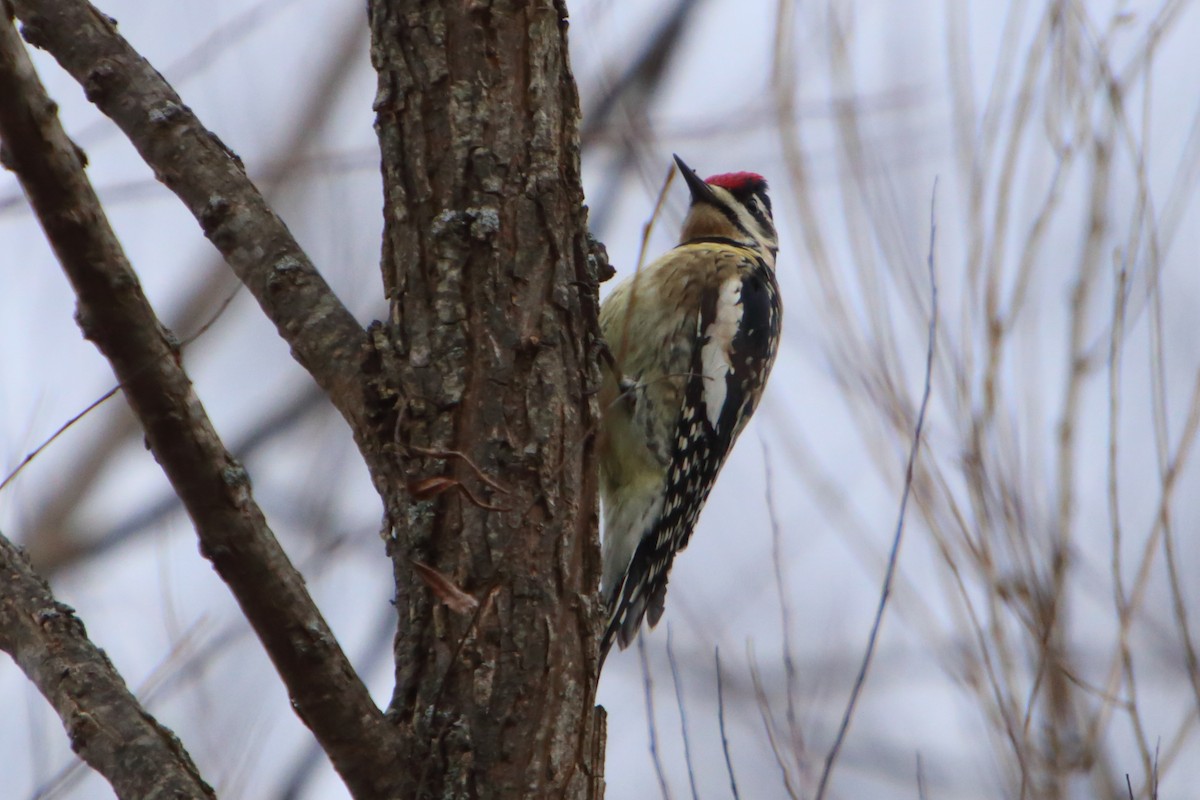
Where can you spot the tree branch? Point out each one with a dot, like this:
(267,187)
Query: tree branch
(211,181)
(893,556)
(215,489)
(107,726)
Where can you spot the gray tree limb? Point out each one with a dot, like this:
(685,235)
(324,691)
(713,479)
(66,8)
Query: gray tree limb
(215,489)
(210,180)
(107,726)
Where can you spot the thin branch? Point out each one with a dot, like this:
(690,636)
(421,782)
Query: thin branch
(51,537)
(211,181)
(687,744)
(721,723)
(785,609)
(277,422)
(897,538)
(214,487)
(764,712)
(621,105)
(107,726)
(648,688)
(647,229)
(1178,603)
(37,451)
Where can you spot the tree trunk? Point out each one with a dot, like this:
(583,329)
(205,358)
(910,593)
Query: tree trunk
(486,397)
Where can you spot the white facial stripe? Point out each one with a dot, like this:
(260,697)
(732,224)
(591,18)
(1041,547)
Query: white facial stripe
(763,214)
(765,239)
(714,355)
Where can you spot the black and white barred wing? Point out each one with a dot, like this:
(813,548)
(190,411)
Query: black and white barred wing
(738,333)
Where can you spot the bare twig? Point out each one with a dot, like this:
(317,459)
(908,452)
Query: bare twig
(647,229)
(210,180)
(785,610)
(108,728)
(215,489)
(37,451)
(99,401)
(51,536)
(1154,774)
(721,723)
(1191,662)
(648,689)
(764,710)
(437,484)
(1123,608)
(687,742)
(885,592)
(445,589)
(273,425)
(446,454)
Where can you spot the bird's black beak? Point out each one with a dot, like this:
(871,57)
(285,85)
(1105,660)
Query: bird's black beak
(701,191)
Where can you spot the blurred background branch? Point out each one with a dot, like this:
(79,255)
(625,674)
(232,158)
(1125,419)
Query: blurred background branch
(1043,637)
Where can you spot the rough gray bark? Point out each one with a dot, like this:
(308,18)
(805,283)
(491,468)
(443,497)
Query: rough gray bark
(214,488)
(473,405)
(107,726)
(485,262)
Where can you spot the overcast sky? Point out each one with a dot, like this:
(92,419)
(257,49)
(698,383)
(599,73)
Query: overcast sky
(852,110)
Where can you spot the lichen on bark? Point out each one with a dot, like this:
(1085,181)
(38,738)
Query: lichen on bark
(492,295)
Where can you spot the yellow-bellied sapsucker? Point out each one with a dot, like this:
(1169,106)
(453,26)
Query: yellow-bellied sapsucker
(693,337)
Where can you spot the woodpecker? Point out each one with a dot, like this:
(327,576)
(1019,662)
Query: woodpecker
(693,336)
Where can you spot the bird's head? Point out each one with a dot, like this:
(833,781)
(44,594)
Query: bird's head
(733,206)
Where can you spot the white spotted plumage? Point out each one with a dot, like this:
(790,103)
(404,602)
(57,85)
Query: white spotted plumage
(695,334)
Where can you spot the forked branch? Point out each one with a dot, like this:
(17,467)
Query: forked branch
(214,488)
(212,183)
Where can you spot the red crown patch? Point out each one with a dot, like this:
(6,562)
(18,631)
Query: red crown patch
(739,181)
